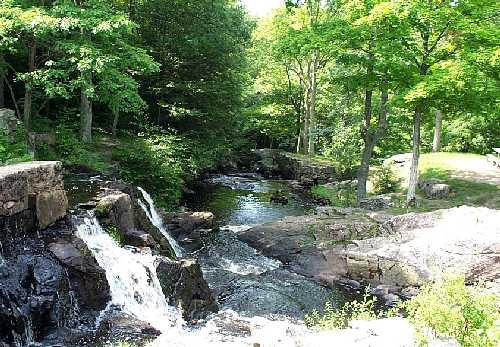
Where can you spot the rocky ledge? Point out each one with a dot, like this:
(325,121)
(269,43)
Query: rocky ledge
(392,253)
(31,195)
(289,166)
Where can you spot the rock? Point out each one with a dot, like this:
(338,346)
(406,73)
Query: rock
(119,326)
(289,166)
(50,207)
(405,251)
(34,298)
(183,284)
(36,186)
(423,247)
(376,203)
(117,207)
(303,242)
(88,277)
(374,333)
(8,122)
(189,227)
(435,189)
(279,197)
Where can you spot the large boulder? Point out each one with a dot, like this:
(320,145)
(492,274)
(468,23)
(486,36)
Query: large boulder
(183,284)
(435,189)
(423,247)
(36,186)
(293,167)
(189,227)
(404,251)
(300,241)
(88,278)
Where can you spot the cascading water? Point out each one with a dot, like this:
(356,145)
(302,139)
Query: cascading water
(157,221)
(136,290)
(131,274)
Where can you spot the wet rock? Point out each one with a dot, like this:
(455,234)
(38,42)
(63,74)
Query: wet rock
(183,284)
(34,298)
(36,186)
(88,277)
(189,228)
(119,326)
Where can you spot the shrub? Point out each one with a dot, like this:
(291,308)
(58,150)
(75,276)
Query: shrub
(384,180)
(452,309)
(339,318)
(14,150)
(342,196)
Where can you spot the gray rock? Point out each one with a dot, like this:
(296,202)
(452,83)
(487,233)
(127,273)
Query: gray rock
(8,122)
(434,189)
(405,251)
(36,186)
(183,284)
(89,278)
(376,203)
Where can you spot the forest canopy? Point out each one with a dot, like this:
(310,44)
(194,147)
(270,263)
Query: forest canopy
(186,85)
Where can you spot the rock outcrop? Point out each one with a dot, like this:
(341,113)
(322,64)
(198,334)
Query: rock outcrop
(183,284)
(189,227)
(33,194)
(403,251)
(272,163)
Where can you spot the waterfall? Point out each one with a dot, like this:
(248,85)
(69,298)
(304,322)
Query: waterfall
(157,221)
(132,278)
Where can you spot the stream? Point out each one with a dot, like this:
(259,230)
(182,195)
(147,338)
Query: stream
(260,300)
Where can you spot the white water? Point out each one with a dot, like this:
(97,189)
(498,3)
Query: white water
(157,221)
(134,286)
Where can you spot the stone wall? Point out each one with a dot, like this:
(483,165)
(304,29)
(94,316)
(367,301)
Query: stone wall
(34,190)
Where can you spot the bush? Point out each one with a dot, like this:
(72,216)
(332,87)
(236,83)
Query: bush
(451,309)
(384,180)
(344,196)
(339,318)
(14,150)
(156,162)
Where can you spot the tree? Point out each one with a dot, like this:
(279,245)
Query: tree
(93,54)
(431,33)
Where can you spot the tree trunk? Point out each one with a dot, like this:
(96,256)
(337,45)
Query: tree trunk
(312,107)
(86,112)
(413,181)
(368,148)
(436,144)
(2,83)
(116,115)
(305,129)
(2,88)
(371,139)
(28,94)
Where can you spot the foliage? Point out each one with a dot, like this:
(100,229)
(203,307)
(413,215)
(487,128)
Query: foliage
(115,234)
(339,318)
(452,309)
(343,196)
(14,150)
(384,180)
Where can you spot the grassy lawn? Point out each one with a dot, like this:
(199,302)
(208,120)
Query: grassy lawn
(465,173)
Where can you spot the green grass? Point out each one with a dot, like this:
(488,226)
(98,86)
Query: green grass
(446,167)
(344,197)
